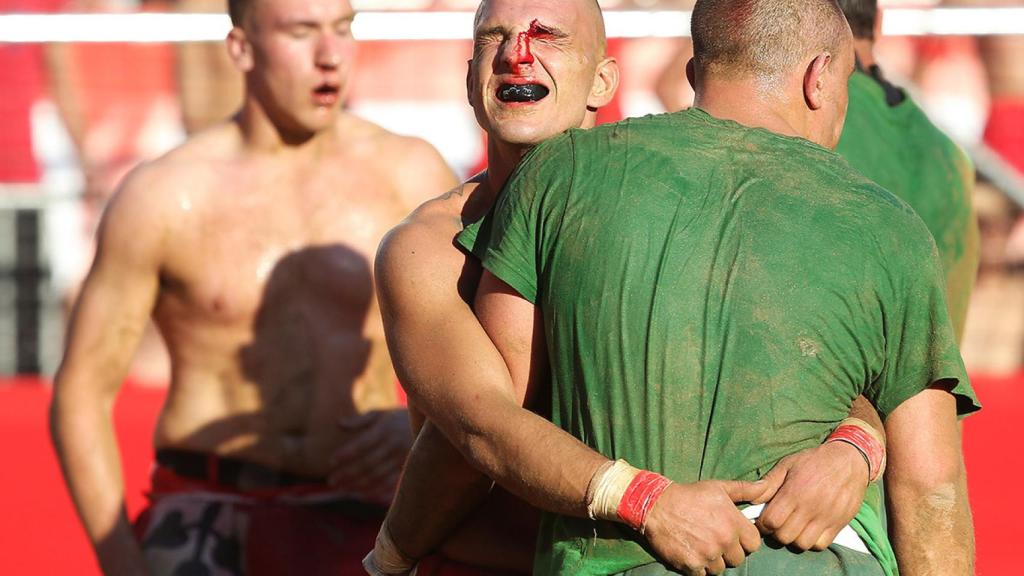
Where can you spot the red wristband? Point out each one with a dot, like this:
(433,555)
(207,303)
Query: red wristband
(870,447)
(639,498)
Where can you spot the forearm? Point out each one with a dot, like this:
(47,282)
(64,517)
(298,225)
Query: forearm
(83,436)
(499,535)
(926,490)
(526,454)
(931,528)
(438,491)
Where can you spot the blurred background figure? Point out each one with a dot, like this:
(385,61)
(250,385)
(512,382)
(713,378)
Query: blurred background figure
(120,107)
(209,86)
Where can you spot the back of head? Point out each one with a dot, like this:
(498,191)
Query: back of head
(861,14)
(763,39)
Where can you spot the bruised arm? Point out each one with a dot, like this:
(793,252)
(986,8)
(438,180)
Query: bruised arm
(926,490)
(106,325)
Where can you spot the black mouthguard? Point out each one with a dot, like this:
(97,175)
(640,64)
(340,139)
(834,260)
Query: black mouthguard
(522,92)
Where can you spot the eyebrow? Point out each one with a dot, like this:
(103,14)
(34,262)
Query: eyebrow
(305,21)
(550,29)
(502,30)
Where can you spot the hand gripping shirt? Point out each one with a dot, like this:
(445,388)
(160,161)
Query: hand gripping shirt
(714,297)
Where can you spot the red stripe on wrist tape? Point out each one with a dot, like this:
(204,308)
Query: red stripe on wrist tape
(870,447)
(639,498)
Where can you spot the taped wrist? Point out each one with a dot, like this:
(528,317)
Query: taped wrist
(868,441)
(622,493)
(386,559)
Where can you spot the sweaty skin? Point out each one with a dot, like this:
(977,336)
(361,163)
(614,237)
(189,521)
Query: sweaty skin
(250,246)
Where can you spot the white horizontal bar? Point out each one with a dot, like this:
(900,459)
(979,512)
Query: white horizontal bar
(155,27)
(954,22)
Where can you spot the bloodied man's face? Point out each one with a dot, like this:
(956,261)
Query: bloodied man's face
(538,66)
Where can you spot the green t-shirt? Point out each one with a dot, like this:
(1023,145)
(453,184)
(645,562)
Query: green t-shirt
(714,297)
(899,148)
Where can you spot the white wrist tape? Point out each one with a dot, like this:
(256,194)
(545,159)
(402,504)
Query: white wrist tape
(607,488)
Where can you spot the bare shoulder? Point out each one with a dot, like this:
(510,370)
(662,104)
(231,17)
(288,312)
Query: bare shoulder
(419,257)
(153,195)
(412,164)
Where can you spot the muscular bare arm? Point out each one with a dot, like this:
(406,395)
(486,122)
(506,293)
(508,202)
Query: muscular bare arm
(477,402)
(437,344)
(106,325)
(926,489)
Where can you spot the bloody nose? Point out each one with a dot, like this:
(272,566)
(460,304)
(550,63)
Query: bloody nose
(521,55)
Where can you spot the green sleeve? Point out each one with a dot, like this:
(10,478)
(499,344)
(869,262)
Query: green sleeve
(920,346)
(473,238)
(510,241)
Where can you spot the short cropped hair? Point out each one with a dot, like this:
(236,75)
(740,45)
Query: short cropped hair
(237,10)
(861,15)
(763,38)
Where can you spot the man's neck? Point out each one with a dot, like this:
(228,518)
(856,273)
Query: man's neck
(502,159)
(261,134)
(748,102)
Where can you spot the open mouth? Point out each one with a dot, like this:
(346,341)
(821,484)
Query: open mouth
(326,93)
(519,93)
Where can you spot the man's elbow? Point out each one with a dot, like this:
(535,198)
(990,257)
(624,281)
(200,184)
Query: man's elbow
(937,485)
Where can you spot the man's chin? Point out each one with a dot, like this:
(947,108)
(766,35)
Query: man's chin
(518,134)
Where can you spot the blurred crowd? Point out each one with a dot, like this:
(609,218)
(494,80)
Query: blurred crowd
(76,117)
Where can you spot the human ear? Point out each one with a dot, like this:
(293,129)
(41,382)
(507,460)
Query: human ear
(239,49)
(606,82)
(691,74)
(469,82)
(814,81)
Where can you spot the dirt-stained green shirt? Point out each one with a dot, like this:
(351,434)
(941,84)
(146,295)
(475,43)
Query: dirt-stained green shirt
(714,297)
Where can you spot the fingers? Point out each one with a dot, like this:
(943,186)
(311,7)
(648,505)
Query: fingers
(808,537)
(716,566)
(772,482)
(750,538)
(777,513)
(740,491)
(825,540)
(788,531)
(735,555)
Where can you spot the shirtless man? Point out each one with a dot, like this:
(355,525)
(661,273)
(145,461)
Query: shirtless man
(538,68)
(250,246)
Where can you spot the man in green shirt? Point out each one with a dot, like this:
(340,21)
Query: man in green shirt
(889,139)
(813,286)
(538,68)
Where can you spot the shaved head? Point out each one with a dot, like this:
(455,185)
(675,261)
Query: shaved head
(764,38)
(592,10)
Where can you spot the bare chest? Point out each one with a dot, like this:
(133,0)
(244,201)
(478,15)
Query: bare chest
(301,246)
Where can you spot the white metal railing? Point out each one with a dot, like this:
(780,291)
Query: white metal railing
(370,25)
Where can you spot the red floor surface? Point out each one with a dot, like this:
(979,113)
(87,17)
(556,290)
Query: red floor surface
(39,534)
